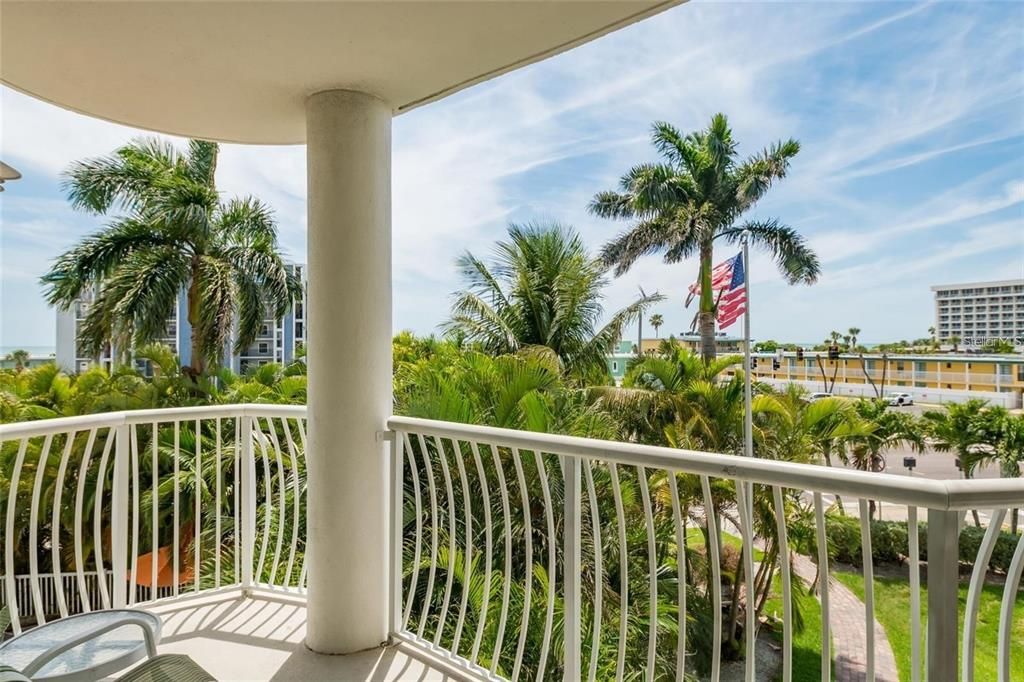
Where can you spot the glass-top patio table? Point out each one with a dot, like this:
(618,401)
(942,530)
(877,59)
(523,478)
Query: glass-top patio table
(85,647)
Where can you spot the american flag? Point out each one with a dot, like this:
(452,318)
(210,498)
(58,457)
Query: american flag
(727,285)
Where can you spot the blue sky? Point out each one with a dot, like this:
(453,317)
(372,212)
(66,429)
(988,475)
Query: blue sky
(911,119)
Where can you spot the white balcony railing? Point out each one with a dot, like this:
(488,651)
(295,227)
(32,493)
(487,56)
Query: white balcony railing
(515,554)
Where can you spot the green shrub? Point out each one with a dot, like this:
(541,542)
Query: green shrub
(890,543)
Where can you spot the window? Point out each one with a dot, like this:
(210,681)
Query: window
(264,330)
(299,333)
(264,347)
(615,366)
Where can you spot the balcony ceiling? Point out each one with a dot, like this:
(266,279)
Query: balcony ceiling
(240,71)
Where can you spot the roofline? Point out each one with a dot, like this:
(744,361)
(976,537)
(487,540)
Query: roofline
(1002,282)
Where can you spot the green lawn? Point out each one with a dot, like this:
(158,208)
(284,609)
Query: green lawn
(892,609)
(806,639)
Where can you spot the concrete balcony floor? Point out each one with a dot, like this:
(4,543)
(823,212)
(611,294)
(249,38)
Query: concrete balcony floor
(261,637)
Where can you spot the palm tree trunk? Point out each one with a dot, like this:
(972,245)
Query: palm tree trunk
(707,306)
(198,362)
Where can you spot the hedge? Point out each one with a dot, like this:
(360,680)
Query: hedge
(889,543)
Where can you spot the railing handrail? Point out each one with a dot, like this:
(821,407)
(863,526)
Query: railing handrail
(947,495)
(83,422)
(934,494)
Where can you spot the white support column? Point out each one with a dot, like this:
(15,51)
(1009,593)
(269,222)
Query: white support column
(348,163)
(119,517)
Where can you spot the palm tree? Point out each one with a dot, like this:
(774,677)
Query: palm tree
(175,234)
(541,290)
(20,359)
(931,333)
(958,428)
(698,194)
(656,322)
(854,332)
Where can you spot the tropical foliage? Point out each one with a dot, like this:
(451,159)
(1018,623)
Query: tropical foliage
(542,289)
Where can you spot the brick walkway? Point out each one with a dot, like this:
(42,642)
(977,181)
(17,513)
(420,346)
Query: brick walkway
(849,639)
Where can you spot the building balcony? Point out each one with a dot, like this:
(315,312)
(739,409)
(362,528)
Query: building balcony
(199,515)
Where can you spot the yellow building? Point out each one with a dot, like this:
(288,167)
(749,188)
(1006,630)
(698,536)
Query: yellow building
(929,378)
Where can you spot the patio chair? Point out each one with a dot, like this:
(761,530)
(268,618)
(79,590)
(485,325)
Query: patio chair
(163,668)
(168,668)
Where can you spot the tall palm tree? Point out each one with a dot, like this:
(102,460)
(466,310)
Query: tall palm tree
(174,233)
(656,322)
(854,332)
(541,289)
(698,193)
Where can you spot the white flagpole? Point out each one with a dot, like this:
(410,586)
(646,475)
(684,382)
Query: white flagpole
(748,418)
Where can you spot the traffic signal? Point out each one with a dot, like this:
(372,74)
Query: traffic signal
(800,354)
(776,364)
(833,352)
(753,363)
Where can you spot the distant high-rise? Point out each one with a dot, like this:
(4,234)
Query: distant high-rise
(277,340)
(979,312)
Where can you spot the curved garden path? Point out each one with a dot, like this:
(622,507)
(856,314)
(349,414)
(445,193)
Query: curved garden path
(849,639)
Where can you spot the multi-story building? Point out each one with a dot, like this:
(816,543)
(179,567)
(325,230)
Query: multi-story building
(277,340)
(978,312)
(929,378)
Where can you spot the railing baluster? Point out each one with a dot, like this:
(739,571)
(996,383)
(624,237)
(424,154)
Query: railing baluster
(268,501)
(218,538)
(282,494)
(247,501)
(823,575)
(133,595)
(450,512)
(419,528)
(467,574)
(745,499)
(155,514)
(428,596)
(524,497)
(297,498)
(620,661)
(197,486)
(58,488)
(714,539)
(12,499)
(1010,587)
(507,581)
(33,528)
(652,574)
(83,592)
(119,518)
(572,564)
(787,583)
(595,529)
(176,511)
(970,620)
(915,594)
(677,516)
(488,551)
(97,517)
(869,589)
(552,578)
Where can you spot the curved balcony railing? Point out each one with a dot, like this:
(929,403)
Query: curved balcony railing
(514,555)
(115,509)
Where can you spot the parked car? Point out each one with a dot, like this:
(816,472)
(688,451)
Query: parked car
(814,397)
(899,399)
